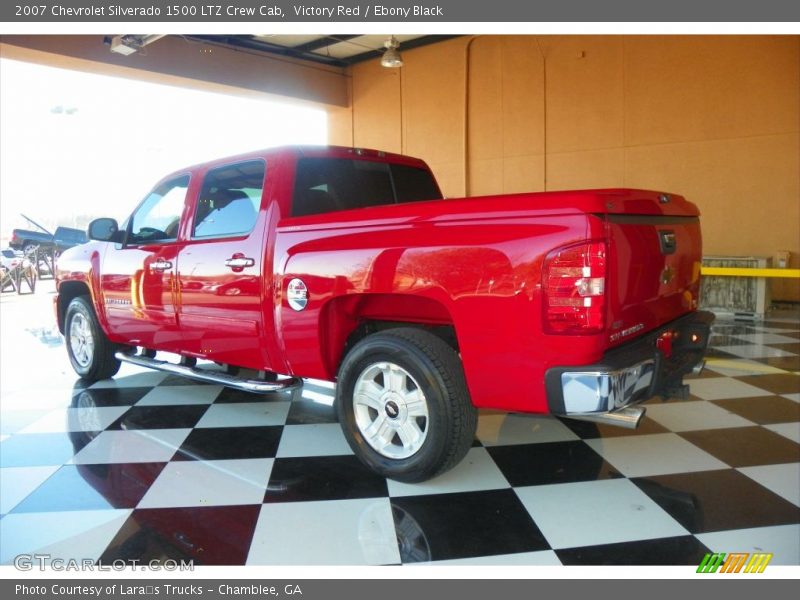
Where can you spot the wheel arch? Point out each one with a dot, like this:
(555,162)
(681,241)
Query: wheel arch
(344,321)
(67,292)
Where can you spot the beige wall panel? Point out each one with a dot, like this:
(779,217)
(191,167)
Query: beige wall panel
(681,88)
(584,93)
(523,174)
(748,190)
(434,90)
(485,176)
(376,107)
(450,177)
(582,170)
(340,126)
(523,97)
(485,108)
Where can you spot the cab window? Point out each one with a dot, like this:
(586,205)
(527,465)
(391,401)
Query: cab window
(228,203)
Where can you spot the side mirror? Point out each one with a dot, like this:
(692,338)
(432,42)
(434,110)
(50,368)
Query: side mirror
(104,230)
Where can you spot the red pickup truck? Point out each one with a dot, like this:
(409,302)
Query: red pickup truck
(348,265)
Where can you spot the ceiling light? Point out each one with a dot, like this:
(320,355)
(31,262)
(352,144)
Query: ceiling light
(130,44)
(391,57)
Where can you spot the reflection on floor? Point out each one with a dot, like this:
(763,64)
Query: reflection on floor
(149,466)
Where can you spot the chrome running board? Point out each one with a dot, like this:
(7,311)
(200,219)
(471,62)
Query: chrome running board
(248,385)
(627,417)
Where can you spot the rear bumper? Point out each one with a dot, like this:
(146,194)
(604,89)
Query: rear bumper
(631,373)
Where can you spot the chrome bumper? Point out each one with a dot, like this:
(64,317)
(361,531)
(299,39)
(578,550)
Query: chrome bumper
(605,391)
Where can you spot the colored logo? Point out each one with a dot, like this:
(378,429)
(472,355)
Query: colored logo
(734,562)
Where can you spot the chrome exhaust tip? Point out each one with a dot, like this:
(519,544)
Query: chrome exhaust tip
(628,417)
(698,368)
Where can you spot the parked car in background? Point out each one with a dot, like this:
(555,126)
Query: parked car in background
(63,238)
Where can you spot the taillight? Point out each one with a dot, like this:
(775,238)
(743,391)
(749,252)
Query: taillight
(574,284)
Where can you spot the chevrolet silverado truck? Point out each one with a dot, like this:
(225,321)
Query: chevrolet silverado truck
(348,265)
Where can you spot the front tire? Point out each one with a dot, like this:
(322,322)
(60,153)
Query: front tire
(403,404)
(90,351)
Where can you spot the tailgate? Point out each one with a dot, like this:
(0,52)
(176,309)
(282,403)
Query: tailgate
(655,253)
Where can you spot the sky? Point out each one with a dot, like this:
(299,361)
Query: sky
(75,146)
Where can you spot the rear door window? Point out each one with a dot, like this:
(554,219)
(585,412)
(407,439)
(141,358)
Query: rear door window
(229,200)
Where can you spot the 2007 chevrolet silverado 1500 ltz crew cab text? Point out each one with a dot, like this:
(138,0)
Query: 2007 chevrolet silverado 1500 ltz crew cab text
(348,265)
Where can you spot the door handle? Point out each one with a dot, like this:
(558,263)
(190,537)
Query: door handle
(239,262)
(161,265)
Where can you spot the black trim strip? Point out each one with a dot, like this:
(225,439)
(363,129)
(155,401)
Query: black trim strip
(651,219)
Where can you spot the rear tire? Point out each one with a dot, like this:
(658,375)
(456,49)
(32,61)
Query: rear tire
(403,404)
(90,351)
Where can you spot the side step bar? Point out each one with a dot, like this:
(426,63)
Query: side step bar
(627,417)
(248,385)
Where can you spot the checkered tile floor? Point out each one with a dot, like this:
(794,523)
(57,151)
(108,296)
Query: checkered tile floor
(149,466)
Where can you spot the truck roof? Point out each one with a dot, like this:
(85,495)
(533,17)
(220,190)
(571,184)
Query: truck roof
(299,151)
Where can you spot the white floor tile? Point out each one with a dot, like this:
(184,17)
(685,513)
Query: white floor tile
(692,416)
(181,394)
(209,483)
(755,351)
(17,482)
(793,397)
(719,388)
(783,541)
(144,378)
(543,558)
(505,429)
(788,430)
(656,454)
(140,445)
(475,473)
(765,338)
(14,421)
(324,439)
(338,532)
(245,414)
(96,418)
(783,479)
(74,535)
(739,367)
(596,512)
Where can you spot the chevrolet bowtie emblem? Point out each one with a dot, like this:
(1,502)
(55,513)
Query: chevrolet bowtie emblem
(667,275)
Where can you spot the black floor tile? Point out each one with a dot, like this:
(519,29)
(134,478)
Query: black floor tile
(462,525)
(787,363)
(793,347)
(218,443)
(716,353)
(171,380)
(92,487)
(684,550)
(745,446)
(206,535)
(718,501)
(39,449)
(775,383)
(322,478)
(307,412)
(160,417)
(232,396)
(547,463)
(763,410)
(122,396)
